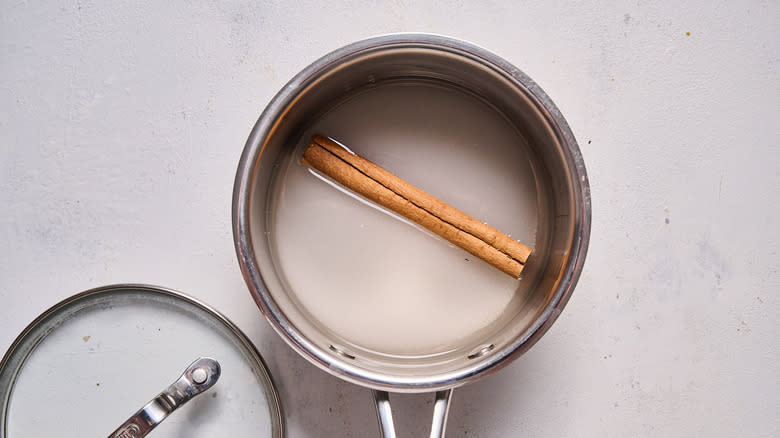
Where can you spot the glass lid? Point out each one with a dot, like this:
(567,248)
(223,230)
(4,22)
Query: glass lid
(90,362)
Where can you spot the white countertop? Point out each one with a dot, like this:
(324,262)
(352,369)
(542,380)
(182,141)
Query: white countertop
(121,129)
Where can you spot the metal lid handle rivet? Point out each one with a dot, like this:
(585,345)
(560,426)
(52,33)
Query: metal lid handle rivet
(198,377)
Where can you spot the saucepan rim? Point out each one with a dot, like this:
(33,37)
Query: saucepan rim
(333,363)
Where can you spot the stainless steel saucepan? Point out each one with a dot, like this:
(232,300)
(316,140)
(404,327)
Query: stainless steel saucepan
(562,188)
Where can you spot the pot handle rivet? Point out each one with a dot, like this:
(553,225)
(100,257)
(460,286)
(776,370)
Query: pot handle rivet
(481,351)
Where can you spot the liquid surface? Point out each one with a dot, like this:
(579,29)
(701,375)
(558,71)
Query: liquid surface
(378,281)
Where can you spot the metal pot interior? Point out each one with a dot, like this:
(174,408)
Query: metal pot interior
(561,185)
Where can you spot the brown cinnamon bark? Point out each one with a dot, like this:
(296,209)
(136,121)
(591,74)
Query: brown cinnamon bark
(380,186)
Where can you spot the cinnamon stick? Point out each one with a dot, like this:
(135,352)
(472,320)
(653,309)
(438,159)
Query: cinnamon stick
(382,187)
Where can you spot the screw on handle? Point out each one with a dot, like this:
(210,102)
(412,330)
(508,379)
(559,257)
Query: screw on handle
(198,377)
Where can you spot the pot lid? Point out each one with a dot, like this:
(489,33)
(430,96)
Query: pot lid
(90,362)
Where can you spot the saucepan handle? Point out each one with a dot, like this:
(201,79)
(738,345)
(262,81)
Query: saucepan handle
(441,407)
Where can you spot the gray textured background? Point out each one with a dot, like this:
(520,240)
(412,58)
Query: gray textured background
(121,128)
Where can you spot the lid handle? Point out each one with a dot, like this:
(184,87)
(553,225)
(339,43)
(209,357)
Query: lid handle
(198,377)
